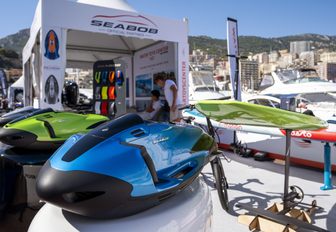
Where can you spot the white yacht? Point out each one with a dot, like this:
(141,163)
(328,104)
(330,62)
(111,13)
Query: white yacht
(293,82)
(202,86)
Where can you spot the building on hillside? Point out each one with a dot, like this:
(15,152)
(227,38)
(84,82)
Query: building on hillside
(298,64)
(273,57)
(267,68)
(297,47)
(198,56)
(283,52)
(261,58)
(311,58)
(249,73)
(285,60)
(209,63)
(328,57)
(327,71)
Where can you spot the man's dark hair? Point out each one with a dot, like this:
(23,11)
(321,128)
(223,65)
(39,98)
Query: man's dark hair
(159,77)
(156,93)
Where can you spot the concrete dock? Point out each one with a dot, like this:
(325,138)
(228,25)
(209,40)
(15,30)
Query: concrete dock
(259,184)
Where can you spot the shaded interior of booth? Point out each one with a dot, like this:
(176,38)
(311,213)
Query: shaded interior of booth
(84,48)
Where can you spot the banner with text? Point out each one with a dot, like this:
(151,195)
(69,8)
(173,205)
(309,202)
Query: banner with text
(233,53)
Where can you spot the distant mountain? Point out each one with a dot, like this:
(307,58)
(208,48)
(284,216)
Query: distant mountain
(16,41)
(215,47)
(11,49)
(256,44)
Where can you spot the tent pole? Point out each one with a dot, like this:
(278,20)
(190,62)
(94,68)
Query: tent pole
(237,82)
(236,78)
(131,83)
(287,166)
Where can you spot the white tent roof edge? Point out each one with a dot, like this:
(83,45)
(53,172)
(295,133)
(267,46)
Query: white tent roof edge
(116,4)
(34,30)
(181,26)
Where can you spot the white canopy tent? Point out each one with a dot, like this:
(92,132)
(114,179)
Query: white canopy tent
(76,34)
(17,85)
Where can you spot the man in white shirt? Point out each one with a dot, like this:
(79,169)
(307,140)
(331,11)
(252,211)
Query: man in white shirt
(154,106)
(171,94)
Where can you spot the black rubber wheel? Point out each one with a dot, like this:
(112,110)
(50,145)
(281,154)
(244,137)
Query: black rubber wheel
(221,183)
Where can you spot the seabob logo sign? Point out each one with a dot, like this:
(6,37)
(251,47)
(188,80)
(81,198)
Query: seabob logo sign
(125,23)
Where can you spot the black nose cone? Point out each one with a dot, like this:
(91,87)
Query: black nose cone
(4,121)
(16,138)
(88,194)
(54,185)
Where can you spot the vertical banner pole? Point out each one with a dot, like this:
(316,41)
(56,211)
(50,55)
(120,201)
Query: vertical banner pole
(287,165)
(233,57)
(237,95)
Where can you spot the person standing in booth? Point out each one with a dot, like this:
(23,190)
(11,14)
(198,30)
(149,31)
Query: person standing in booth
(171,93)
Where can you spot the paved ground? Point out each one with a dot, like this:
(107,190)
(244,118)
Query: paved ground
(260,183)
(257,183)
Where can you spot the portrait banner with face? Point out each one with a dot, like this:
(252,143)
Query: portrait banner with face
(53,45)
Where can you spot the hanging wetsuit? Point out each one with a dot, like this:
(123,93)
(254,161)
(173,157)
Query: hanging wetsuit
(120,78)
(111,93)
(111,77)
(97,77)
(104,94)
(104,108)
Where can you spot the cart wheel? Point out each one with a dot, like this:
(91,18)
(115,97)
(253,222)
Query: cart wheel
(221,183)
(298,191)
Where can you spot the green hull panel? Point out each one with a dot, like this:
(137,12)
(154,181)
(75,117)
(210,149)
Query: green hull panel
(64,124)
(241,113)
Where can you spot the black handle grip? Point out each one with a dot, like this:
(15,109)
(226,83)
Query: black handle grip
(187,107)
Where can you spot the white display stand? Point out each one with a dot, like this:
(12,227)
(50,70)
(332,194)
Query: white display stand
(189,210)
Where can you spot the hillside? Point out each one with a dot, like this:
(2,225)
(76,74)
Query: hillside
(16,41)
(256,44)
(215,47)
(9,59)
(11,48)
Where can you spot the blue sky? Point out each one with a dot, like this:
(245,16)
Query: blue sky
(266,18)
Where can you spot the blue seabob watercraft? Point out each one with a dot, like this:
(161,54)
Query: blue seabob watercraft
(123,167)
